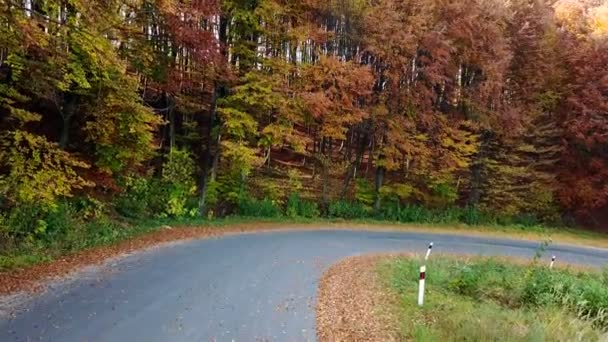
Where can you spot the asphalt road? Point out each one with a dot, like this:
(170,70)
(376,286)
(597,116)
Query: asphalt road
(254,287)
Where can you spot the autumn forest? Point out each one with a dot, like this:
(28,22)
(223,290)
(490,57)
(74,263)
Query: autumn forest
(477,111)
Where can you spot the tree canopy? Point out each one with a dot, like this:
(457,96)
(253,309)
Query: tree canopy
(491,104)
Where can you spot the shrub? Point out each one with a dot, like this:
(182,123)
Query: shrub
(347,210)
(90,208)
(415,214)
(168,196)
(297,207)
(251,207)
(390,211)
(178,180)
(100,232)
(449,215)
(471,215)
(134,202)
(60,222)
(364,192)
(24,224)
(526,220)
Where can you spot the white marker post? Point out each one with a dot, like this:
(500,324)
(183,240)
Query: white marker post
(421,286)
(428,251)
(552,261)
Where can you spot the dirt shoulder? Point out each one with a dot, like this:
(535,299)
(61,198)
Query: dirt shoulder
(352,304)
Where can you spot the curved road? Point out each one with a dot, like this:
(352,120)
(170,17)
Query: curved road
(253,287)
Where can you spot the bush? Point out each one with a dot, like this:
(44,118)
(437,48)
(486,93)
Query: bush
(65,227)
(526,220)
(390,211)
(449,215)
(178,180)
(297,207)
(100,232)
(23,224)
(471,216)
(60,222)
(415,214)
(168,196)
(135,201)
(348,210)
(251,207)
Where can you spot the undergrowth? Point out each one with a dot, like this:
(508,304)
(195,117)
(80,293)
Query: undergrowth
(491,300)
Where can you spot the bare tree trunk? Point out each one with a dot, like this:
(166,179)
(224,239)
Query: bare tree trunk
(67,112)
(379,180)
(212,159)
(352,170)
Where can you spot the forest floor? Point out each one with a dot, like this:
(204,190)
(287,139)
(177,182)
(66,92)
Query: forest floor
(373,298)
(16,277)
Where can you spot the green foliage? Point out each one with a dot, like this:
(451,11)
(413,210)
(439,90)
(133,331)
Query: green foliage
(91,208)
(135,201)
(492,289)
(178,179)
(397,192)
(251,207)
(169,196)
(295,180)
(213,192)
(66,227)
(348,210)
(23,224)
(121,128)
(270,189)
(298,207)
(444,192)
(364,192)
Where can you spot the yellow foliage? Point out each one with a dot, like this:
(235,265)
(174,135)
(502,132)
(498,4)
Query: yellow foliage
(39,171)
(599,21)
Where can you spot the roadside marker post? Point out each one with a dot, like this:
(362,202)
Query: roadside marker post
(428,251)
(552,261)
(421,286)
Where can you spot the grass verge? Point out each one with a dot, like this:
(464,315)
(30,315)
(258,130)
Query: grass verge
(480,299)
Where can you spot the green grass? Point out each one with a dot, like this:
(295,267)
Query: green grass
(493,300)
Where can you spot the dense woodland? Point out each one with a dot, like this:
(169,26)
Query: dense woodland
(348,108)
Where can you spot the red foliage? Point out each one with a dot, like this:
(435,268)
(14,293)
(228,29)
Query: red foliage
(584,172)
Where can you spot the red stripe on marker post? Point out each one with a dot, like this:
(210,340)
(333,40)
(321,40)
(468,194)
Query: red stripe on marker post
(421,286)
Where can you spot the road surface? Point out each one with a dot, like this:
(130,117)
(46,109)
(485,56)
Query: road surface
(252,287)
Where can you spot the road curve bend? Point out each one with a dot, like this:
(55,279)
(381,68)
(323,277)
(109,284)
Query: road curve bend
(250,287)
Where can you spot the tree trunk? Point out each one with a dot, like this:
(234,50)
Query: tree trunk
(208,155)
(352,170)
(171,126)
(379,180)
(67,113)
(210,159)
(477,170)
